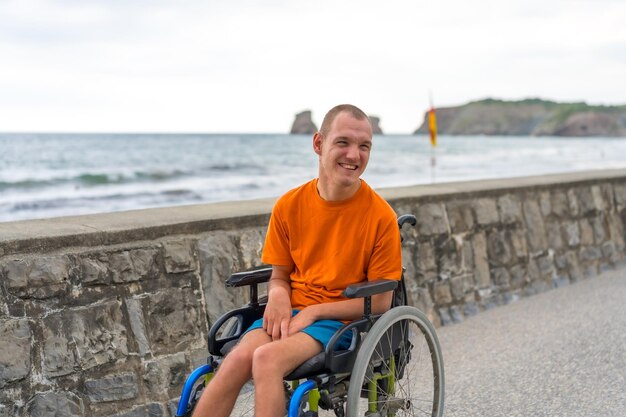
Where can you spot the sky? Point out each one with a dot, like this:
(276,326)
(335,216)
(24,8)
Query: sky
(239,66)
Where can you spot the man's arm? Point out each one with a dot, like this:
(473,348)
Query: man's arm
(278,310)
(340,310)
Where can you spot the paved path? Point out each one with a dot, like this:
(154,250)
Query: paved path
(560,353)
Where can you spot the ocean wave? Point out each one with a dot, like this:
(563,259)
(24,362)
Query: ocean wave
(93,179)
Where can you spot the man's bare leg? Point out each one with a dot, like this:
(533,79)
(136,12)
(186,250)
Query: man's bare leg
(218,398)
(271,363)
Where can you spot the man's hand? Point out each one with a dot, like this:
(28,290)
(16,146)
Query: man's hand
(278,310)
(302,320)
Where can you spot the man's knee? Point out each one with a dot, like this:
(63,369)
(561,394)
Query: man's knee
(238,361)
(264,360)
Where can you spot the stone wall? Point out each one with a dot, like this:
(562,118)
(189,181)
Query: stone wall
(105,315)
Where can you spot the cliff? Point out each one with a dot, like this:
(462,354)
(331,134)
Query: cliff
(533,117)
(375,121)
(303,124)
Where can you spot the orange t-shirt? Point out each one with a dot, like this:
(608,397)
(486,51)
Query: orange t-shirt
(332,244)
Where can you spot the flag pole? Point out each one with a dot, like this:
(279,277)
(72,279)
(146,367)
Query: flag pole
(432,129)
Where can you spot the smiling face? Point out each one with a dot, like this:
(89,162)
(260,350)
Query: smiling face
(343,155)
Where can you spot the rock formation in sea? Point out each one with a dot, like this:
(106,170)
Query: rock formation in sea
(303,124)
(375,121)
(534,117)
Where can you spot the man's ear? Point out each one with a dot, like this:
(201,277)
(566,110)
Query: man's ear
(317,142)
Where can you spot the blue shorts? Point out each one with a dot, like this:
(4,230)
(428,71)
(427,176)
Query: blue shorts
(321,331)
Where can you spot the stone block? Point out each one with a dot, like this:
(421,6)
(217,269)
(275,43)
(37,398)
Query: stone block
(545,203)
(55,404)
(533,270)
(586,201)
(611,254)
(560,281)
(83,338)
(15,350)
(174,321)
(616,231)
(134,307)
(590,271)
(218,258)
(451,256)
(148,410)
(598,198)
(468,257)
(444,316)
(144,262)
(573,202)
(599,229)
(121,267)
(251,248)
(165,373)
(488,301)
(534,226)
(442,293)
(620,195)
(481,270)
(486,211)
(460,216)
(470,309)
(112,388)
(572,233)
(456,314)
(178,256)
(420,298)
(38,278)
(458,287)
(553,233)
(546,266)
(423,279)
(518,241)
(510,209)
(510,297)
(590,254)
(501,277)
(519,276)
(573,267)
(431,220)
(426,257)
(586,232)
(536,287)
(94,272)
(608,195)
(559,203)
(498,248)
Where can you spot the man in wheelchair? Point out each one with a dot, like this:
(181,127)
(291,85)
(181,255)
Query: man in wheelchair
(323,236)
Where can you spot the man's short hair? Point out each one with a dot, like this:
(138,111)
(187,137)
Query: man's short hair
(354,111)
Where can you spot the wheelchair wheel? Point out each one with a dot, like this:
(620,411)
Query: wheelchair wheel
(399,368)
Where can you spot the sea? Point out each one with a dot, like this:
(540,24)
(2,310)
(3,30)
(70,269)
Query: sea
(51,175)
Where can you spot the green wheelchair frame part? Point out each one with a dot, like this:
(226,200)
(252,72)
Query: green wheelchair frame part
(372,386)
(314,396)
(208,377)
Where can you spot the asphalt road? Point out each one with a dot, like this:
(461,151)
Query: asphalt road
(560,353)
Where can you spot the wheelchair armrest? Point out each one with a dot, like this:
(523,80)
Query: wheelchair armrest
(369,288)
(249,277)
(245,317)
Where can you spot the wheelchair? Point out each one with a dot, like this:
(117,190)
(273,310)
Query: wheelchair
(393,367)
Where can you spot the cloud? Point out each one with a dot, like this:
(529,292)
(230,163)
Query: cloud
(249,66)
